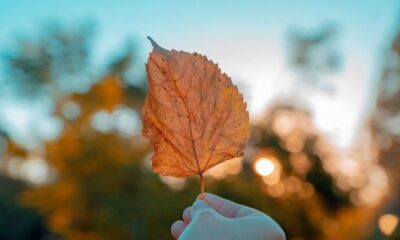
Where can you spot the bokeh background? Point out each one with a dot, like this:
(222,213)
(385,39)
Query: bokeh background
(322,82)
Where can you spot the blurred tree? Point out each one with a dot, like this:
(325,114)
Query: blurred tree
(303,186)
(97,169)
(386,128)
(313,55)
(57,61)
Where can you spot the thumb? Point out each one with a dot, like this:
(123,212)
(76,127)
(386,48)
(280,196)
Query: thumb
(198,207)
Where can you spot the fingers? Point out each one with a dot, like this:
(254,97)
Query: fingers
(228,208)
(224,207)
(199,206)
(186,215)
(177,228)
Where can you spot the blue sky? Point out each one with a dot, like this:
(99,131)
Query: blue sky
(246,38)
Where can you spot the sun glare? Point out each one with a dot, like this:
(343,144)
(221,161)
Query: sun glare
(265,166)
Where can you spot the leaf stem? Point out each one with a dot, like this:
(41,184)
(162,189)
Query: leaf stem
(201,186)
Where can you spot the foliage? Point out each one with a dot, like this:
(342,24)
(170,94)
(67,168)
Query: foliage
(385,122)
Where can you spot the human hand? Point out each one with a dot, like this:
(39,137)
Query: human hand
(218,218)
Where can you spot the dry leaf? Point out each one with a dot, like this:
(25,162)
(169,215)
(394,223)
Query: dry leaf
(193,115)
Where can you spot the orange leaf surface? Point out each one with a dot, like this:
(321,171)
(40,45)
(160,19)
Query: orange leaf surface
(193,115)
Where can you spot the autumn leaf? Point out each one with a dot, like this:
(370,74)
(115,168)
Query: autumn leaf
(193,115)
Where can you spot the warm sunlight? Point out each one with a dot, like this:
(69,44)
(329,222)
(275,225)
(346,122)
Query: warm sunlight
(264,166)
